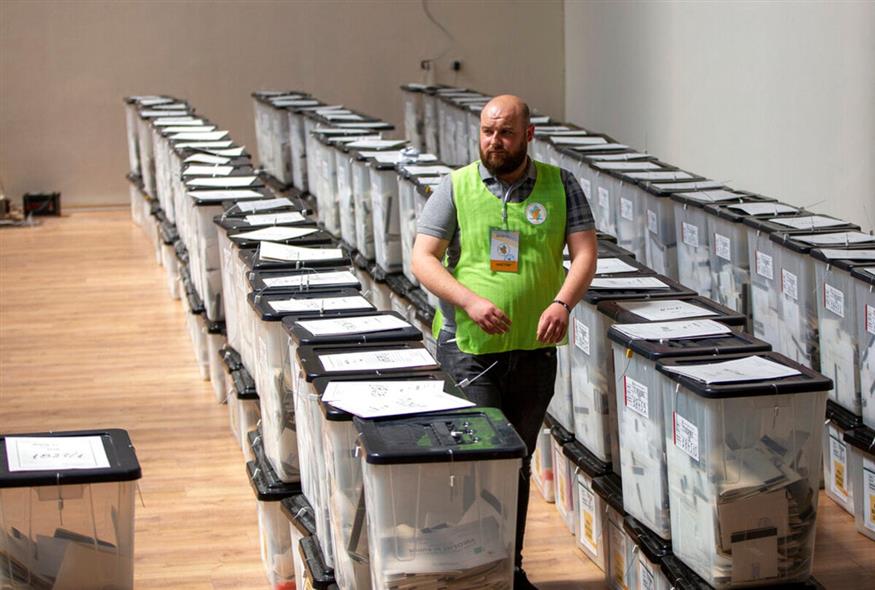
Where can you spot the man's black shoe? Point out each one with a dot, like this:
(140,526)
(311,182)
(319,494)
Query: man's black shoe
(520,581)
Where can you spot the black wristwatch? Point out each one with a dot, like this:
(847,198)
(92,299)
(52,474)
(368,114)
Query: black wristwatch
(563,304)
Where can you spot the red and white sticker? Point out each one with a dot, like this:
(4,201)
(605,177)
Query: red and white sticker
(765,266)
(685,435)
(635,396)
(834,300)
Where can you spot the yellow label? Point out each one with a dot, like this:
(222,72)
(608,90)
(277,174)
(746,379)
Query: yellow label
(840,477)
(620,569)
(588,531)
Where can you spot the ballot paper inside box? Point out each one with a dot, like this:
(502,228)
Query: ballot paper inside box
(620,552)
(864,284)
(244,410)
(838,316)
(743,455)
(797,304)
(297,149)
(861,466)
(273,526)
(560,406)
(648,554)
(639,390)
(837,480)
(345,486)
(563,483)
(67,503)
(693,243)
(438,518)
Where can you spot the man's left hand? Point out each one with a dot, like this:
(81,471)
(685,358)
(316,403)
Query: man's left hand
(553,324)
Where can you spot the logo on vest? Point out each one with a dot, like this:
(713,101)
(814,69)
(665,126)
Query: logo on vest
(536,213)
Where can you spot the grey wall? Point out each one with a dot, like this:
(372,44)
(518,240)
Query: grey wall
(65,66)
(773,97)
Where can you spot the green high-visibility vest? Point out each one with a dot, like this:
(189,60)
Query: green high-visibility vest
(522,295)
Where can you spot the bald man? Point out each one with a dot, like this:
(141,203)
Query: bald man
(490,245)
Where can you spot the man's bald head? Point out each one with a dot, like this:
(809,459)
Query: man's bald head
(507,106)
(505,133)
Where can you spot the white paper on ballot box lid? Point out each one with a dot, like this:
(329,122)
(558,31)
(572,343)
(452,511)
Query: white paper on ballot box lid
(551,130)
(763,208)
(206,145)
(675,330)
(354,325)
(373,360)
(363,125)
(265,205)
(665,309)
(225,195)
(436,170)
(231,181)
(55,453)
(374,399)
(618,157)
(560,139)
(836,239)
(628,283)
(177,121)
(607,266)
(320,304)
(600,147)
(376,144)
(697,185)
(627,165)
(838,254)
(666,175)
(198,136)
(231,151)
(809,222)
(274,218)
(336,278)
(711,196)
(276,233)
(752,368)
(207,159)
(206,170)
(287,253)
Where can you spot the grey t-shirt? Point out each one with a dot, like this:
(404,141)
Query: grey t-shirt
(438,218)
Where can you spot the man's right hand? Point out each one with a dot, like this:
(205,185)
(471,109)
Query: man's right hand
(486,315)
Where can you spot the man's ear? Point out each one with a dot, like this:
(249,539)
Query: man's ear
(530,133)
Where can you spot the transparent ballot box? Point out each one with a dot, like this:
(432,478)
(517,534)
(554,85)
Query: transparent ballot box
(691,230)
(168,234)
(588,509)
(271,358)
(67,510)
(563,477)
(317,573)
(298,124)
(619,549)
(592,367)
(542,465)
(386,216)
(244,410)
(837,320)
(414,114)
(302,523)
(861,466)
(744,453)
(864,284)
(414,189)
(272,131)
(346,501)
(797,305)
(639,391)
(651,549)
(729,262)
(441,495)
(196,324)
(836,476)
(273,526)
(681,577)
(329,361)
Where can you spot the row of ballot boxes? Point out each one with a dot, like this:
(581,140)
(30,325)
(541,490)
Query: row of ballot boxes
(303,324)
(67,510)
(804,282)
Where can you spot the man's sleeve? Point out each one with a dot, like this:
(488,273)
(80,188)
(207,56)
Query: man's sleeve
(578,216)
(438,217)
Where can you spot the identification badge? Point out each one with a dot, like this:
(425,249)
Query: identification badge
(504,250)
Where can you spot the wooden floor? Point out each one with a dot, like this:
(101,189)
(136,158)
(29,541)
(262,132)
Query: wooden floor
(89,338)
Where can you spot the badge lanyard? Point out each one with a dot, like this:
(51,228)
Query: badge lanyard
(504,243)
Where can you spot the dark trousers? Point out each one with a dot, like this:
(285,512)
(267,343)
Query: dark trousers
(520,385)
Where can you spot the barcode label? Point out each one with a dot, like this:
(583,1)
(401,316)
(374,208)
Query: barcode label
(581,335)
(789,285)
(686,436)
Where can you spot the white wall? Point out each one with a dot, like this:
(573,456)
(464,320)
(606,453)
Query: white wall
(65,66)
(772,97)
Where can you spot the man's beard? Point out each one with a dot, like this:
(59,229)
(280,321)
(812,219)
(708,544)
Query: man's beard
(503,162)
